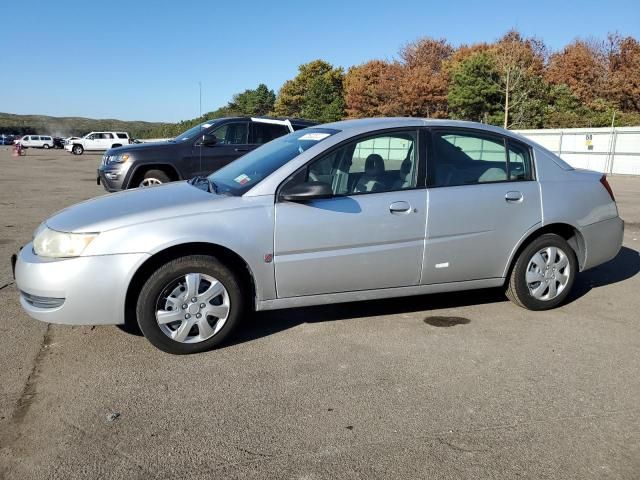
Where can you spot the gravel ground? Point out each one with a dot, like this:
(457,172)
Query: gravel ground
(463,385)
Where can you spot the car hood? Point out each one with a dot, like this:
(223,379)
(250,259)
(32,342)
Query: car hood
(137,147)
(129,207)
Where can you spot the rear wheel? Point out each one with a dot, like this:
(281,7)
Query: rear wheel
(46,146)
(77,149)
(543,274)
(154,177)
(189,305)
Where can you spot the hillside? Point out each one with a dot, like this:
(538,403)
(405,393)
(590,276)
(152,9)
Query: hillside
(66,126)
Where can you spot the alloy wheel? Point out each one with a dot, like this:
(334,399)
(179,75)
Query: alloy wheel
(150,182)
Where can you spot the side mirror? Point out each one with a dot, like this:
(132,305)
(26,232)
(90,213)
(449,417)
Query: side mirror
(304,192)
(209,140)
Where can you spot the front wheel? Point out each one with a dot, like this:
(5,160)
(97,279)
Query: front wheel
(543,274)
(189,305)
(152,178)
(77,149)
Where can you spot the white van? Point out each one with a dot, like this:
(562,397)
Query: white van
(37,141)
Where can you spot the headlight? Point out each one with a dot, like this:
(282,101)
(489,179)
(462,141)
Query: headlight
(49,243)
(123,157)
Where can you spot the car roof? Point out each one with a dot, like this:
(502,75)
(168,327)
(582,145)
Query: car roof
(362,125)
(300,121)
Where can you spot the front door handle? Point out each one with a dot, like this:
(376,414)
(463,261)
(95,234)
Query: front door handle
(513,197)
(400,207)
(241,149)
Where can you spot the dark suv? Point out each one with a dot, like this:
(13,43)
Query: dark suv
(200,150)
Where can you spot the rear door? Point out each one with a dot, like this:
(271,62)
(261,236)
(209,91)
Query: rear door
(482,199)
(370,235)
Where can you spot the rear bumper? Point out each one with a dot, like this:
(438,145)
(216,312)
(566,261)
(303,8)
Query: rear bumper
(75,291)
(603,241)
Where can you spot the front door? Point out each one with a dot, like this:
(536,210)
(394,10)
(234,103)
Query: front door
(482,199)
(233,142)
(369,235)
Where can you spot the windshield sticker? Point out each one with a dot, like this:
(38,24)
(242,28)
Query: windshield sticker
(206,125)
(317,136)
(242,179)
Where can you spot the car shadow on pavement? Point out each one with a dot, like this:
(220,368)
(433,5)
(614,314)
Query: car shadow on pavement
(624,266)
(262,324)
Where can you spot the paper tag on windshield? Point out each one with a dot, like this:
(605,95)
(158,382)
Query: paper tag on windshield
(314,136)
(242,179)
(206,125)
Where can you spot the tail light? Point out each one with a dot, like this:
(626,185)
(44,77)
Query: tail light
(607,187)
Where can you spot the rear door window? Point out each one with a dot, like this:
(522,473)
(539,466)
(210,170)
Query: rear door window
(265,132)
(461,157)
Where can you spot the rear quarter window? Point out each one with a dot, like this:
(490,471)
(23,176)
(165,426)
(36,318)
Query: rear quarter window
(122,135)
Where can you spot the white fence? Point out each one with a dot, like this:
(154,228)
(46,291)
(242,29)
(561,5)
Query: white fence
(606,150)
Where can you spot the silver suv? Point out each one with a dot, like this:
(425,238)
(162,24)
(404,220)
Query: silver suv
(354,210)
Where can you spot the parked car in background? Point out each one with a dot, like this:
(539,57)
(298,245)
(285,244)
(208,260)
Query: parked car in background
(199,151)
(37,141)
(7,139)
(97,141)
(58,142)
(347,211)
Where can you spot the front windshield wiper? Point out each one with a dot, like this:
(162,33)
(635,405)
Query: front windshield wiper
(203,183)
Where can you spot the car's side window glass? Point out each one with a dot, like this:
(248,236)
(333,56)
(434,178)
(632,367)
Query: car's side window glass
(519,162)
(467,158)
(379,163)
(232,133)
(265,132)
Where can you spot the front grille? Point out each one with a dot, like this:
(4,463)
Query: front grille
(42,302)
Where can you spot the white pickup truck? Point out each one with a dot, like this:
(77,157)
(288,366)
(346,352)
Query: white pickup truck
(97,141)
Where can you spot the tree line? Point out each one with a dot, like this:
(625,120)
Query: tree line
(515,82)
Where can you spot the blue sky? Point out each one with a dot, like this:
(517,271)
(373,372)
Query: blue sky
(142,60)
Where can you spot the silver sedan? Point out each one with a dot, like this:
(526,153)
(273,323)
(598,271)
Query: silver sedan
(353,210)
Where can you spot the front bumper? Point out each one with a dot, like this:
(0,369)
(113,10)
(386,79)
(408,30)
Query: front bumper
(75,291)
(112,178)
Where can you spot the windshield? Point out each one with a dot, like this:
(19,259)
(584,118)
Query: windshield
(194,131)
(241,175)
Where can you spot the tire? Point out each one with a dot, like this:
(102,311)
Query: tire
(174,329)
(538,281)
(77,150)
(153,177)
(46,146)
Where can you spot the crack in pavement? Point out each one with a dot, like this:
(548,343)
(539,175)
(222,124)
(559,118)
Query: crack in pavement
(438,437)
(29,391)
(6,285)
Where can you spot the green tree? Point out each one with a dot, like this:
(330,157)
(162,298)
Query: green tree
(316,93)
(253,102)
(474,93)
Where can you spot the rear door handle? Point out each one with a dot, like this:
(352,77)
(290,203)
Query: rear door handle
(400,207)
(241,149)
(513,197)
